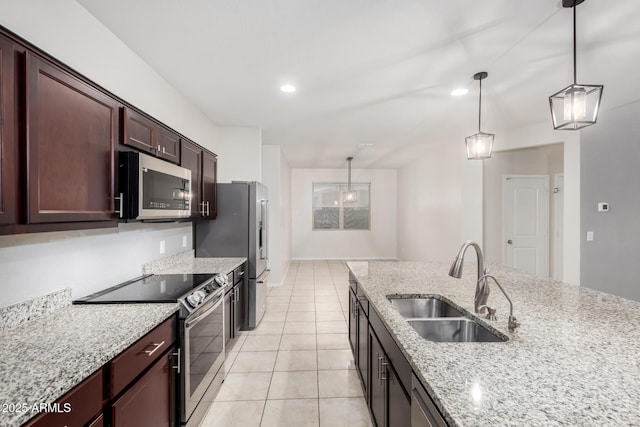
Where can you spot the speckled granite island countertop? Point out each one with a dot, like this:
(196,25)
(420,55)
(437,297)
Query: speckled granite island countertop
(575,360)
(44,357)
(185,263)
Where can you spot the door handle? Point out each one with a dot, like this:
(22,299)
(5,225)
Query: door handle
(509,242)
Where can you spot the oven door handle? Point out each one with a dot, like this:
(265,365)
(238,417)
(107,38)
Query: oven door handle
(216,304)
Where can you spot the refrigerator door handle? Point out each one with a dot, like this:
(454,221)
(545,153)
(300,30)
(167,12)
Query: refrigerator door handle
(263,229)
(264,276)
(265,241)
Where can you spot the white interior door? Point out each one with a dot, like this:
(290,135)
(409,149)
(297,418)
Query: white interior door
(525,215)
(558,226)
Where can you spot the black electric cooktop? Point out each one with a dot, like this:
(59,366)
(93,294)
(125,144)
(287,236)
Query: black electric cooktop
(152,288)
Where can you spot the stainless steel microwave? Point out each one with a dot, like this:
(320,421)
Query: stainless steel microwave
(152,189)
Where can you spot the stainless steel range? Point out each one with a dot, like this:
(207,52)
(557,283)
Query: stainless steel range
(201,326)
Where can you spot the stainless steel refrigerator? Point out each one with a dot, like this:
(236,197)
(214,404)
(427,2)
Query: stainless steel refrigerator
(240,230)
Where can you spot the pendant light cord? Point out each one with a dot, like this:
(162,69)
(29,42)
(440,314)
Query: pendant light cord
(574,44)
(480,106)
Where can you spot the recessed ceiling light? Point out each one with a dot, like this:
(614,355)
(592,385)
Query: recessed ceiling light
(288,88)
(459,91)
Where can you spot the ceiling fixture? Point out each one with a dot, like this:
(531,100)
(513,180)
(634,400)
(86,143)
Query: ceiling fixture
(577,105)
(479,145)
(288,88)
(459,91)
(350,195)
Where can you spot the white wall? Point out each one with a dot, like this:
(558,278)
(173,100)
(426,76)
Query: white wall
(379,242)
(239,151)
(86,261)
(429,206)
(64,29)
(275,177)
(33,265)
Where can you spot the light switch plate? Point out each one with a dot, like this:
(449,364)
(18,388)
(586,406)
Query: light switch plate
(589,236)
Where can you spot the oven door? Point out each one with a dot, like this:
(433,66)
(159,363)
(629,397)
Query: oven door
(203,352)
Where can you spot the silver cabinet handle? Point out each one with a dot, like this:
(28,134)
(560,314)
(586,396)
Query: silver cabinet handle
(158,149)
(208,211)
(383,369)
(202,211)
(177,367)
(155,348)
(241,273)
(120,211)
(379,367)
(164,150)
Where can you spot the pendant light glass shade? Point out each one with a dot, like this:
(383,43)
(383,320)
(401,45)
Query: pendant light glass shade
(480,144)
(575,106)
(349,196)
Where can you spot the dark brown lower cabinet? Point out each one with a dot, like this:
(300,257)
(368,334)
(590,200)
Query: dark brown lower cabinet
(150,401)
(353,324)
(377,393)
(363,340)
(98,422)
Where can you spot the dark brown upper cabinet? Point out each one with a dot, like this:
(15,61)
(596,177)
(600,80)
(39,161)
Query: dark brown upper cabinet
(209,181)
(191,158)
(8,133)
(144,134)
(204,169)
(72,131)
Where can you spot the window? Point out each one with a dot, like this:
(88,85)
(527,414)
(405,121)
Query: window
(331,212)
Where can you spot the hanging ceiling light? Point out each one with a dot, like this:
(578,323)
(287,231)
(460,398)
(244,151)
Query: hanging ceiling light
(479,145)
(350,195)
(575,106)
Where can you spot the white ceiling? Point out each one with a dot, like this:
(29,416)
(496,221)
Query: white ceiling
(377,71)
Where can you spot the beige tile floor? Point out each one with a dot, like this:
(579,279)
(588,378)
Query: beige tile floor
(296,368)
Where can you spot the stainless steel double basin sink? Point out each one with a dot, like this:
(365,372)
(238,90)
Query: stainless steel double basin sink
(437,320)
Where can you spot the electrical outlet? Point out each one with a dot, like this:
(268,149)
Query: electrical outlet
(184,241)
(162,246)
(603,207)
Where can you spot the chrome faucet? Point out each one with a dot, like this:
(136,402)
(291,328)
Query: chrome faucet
(513,322)
(482,287)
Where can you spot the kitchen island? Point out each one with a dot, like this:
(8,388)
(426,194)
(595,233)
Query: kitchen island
(573,361)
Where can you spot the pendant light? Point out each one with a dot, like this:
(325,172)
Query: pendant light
(577,105)
(350,196)
(479,145)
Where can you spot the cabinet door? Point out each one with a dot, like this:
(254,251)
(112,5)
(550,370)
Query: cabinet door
(239,308)
(72,130)
(138,131)
(398,403)
(149,401)
(8,134)
(363,346)
(377,384)
(209,180)
(168,145)
(353,325)
(191,158)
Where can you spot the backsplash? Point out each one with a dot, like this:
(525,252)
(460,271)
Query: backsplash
(13,315)
(85,261)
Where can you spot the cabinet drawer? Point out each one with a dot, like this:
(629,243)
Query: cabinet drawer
(238,274)
(395,356)
(83,402)
(131,362)
(149,401)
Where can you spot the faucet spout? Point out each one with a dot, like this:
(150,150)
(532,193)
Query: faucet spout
(482,286)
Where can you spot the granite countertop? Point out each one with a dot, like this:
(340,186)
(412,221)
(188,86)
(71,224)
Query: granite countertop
(573,361)
(43,358)
(185,262)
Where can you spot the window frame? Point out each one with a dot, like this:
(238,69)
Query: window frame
(342,188)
